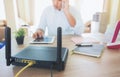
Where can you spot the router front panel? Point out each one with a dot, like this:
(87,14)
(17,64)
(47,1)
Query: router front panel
(44,57)
(40,64)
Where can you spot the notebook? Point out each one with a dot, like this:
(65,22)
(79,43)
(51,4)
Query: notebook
(45,40)
(95,50)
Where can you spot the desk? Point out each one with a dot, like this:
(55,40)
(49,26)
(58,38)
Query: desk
(77,65)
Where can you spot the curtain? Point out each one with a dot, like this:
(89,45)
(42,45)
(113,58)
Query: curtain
(118,12)
(115,11)
(105,16)
(111,13)
(112,8)
(26,11)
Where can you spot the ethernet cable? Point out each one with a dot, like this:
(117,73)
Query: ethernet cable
(28,65)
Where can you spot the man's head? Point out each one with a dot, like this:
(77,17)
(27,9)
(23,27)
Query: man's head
(57,4)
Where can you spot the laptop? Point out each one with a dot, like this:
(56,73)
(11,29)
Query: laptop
(44,40)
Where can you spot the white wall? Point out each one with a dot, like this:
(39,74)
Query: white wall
(40,5)
(2,10)
(90,7)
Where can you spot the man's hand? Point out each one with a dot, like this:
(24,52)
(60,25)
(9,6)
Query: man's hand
(69,16)
(38,34)
(65,4)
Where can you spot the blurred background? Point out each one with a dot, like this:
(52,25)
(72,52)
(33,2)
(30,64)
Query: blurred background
(26,13)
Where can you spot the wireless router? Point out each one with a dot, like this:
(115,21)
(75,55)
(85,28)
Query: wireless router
(43,56)
(114,44)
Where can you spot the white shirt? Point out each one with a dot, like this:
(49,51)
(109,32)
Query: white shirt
(52,19)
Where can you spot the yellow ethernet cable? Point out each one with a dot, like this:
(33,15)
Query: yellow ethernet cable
(28,65)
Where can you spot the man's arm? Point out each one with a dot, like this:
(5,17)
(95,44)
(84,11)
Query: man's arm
(41,27)
(69,16)
(78,26)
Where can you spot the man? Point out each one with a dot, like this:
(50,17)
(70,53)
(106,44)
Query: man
(60,15)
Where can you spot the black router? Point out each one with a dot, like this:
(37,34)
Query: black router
(43,56)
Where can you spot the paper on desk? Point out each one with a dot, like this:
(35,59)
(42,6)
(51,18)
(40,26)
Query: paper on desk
(78,39)
(88,38)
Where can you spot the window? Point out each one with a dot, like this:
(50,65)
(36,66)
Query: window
(90,7)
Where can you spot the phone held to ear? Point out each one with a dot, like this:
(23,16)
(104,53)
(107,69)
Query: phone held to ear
(63,5)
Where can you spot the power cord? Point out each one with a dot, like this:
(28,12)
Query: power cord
(28,65)
(51,70)
(71,52)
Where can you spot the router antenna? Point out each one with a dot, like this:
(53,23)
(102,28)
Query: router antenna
(8,45)
(59,47)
